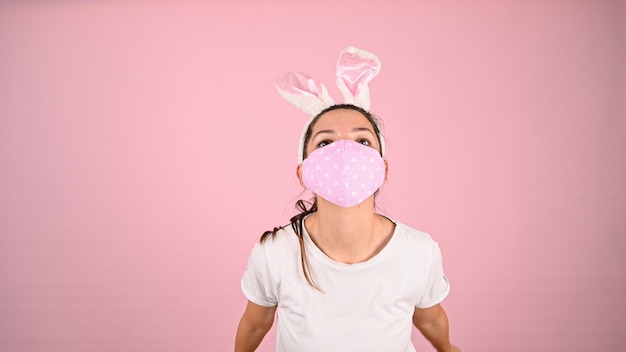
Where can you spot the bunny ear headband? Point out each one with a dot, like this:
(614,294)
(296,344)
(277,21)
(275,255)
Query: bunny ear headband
(355,70)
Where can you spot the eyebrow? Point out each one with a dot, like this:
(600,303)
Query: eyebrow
(354,130)
(362,129)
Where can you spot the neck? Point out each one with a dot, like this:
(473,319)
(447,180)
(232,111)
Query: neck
(348,235)
(346,224)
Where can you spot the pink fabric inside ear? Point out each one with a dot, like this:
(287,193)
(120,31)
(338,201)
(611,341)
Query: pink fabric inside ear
(355,72)
(300,84)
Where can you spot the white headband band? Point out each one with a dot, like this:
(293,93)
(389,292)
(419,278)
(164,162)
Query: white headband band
(355,70)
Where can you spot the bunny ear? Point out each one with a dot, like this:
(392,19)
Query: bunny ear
(306,93)
(355,70)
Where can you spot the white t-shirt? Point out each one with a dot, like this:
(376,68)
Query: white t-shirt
(361,307)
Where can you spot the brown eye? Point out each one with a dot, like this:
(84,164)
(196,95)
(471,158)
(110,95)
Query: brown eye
(365,142)
(324,143)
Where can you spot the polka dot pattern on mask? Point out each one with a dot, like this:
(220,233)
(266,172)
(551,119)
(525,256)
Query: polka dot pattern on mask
(344,172)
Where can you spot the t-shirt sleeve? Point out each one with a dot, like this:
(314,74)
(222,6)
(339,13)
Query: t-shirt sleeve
(437,285)
(258,284)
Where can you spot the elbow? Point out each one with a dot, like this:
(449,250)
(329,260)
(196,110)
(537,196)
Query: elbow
(257,326)
(430,318)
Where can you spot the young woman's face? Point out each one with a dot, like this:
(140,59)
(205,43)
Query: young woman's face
(342,124)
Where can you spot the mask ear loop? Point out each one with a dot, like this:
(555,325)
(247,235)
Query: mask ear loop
(356,68)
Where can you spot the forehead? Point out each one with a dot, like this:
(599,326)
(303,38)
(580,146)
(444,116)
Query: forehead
(341,118)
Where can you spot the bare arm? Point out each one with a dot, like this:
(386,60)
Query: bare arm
(433,324)
(254,324)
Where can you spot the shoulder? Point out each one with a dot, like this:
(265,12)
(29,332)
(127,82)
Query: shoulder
(412,235)
(414,242)
(284,241)
(268,256)
(283,236)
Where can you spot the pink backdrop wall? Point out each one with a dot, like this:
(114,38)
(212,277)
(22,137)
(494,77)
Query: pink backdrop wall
(143,150)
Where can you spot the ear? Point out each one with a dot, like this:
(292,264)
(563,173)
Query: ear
(299,175)
(386,171)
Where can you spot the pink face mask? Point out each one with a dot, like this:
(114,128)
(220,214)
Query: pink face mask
(344,172)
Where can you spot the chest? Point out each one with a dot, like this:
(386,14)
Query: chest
(384,293)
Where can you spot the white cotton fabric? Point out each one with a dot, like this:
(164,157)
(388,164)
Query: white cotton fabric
(361,307)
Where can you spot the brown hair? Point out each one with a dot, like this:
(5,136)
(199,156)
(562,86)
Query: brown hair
(305,208)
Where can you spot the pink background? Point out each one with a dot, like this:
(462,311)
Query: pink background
(143,150)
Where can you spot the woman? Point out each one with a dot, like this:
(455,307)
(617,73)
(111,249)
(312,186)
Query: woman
(342,277)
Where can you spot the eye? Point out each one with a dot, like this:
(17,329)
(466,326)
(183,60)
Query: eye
(364,141)
(324,143)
